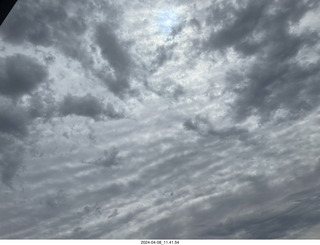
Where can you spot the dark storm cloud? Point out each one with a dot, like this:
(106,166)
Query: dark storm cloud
(274,80)
(115,54)
(20,75)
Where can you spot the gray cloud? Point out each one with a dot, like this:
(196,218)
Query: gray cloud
(87,106)
(270,225)
(13,120)
(14,124)
(20,75)
(177,29)
(243,163)
(275,80)
(167,89)
(42,105)
(11,158)
(116,56)
(202,126)
(46,24)
(57,200)
(42,23)
(56,25)
(110,112)
(244,23)
(195,23)
(164,53)
(111,49)
(110,158)
(274,86)
(255,211)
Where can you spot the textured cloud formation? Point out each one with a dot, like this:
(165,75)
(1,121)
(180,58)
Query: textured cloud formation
(112,51)
(87,106)
(160,120)
(14,120)
(264,30)
(11,155)
(20,75)
(45,24)
(109,159)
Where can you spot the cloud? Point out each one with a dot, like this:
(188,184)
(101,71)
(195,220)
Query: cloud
(248,27)
(87,106)
(56,201)
(42,23)
(13,119)
(111,113)
(14,124)
(273,87)
(111,49)
(274,79)
(167,88)
(53,24)
(115,54)
(110,158)
(194,22)
(58,25)
(164,53)
(204,127)
(42,105)
(177,29)
(257,210)
(11,158)
(269,225)
(240,163)
(20,75)
(244,23)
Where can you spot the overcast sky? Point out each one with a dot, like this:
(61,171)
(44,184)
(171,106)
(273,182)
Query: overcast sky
(160,119)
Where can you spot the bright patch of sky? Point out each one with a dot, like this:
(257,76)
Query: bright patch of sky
(166,19)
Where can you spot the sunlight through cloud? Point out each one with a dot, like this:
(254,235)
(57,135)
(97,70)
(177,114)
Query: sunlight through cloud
(166,19)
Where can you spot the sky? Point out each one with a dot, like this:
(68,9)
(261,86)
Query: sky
(160,119)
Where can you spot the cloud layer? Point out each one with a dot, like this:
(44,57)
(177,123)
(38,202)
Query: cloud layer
(143,119)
